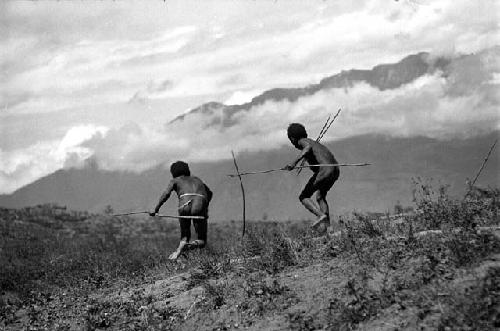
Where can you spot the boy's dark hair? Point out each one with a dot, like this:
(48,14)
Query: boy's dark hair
(297,131)
(179,168)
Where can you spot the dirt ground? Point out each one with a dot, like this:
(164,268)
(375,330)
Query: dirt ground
(303,301)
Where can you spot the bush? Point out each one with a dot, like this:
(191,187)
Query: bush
(406,265)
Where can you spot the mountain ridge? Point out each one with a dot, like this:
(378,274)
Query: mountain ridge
(382,77)
(395,161)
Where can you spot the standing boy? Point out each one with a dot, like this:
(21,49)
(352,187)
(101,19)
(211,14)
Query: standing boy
(194,198)
(322,179)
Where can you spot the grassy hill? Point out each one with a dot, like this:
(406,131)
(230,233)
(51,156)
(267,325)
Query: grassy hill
(436,268)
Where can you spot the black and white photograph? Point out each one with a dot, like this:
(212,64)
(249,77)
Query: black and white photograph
(249,165)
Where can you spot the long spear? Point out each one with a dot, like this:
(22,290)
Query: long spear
(132,213)
(300,167)
(159,215)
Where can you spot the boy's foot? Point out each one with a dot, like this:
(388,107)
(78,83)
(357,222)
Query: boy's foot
(174,255)
(322,219)
(197,243)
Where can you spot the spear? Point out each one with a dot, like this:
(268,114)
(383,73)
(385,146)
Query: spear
(132,213)
(300,167)
(160,215)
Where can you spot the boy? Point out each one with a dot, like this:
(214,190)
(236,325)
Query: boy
(194,198)
(322,179)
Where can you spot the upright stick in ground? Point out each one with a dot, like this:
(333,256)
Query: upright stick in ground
(242,193)
(480,169)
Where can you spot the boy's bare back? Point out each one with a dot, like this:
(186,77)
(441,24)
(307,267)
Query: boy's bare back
(189,184)
(319,154)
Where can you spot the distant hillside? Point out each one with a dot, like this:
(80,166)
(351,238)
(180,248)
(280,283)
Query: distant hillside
(384,76)
(274,196)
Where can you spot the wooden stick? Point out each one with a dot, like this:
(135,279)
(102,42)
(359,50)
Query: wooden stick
(242,193)
(481,169)
(159,215)
(132,213)
(323,128)
(484,162)
(328,127)
(182,217)
(298,167)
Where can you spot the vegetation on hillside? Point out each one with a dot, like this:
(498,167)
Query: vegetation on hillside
(437,267)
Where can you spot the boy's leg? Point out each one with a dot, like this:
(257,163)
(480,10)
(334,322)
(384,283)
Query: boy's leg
(305,197)
(322,203)
(200,226)
(185,225)
(324,184)
(311,206)
(323,206)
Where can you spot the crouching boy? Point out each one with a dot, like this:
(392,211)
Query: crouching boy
(194,198)
(323,177)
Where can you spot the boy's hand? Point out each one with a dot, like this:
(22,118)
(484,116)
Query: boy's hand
(288,167)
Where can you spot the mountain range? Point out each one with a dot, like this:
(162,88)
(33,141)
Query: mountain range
(384,76)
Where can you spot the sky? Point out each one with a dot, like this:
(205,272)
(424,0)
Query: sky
(102,79)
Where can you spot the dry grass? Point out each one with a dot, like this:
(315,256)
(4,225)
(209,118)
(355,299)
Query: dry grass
(49,254)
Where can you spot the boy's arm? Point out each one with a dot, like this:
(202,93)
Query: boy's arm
(305,150)
(164,197)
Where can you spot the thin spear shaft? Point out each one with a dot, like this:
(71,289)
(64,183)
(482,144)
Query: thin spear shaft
(159,215)
(132,213)
(299,167)
(323,128)
(182,217)
(328,127)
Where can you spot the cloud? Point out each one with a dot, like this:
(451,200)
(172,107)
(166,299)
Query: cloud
(22,166)
(241,97)
(294,44)
(154,89)
(459,103)
(433,106)
(80,62)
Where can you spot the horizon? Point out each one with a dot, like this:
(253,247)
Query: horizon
(81,84)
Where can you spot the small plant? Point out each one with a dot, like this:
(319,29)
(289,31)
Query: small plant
(475,308)
(138,313)
(263,295)
(208,265)
(275,248)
